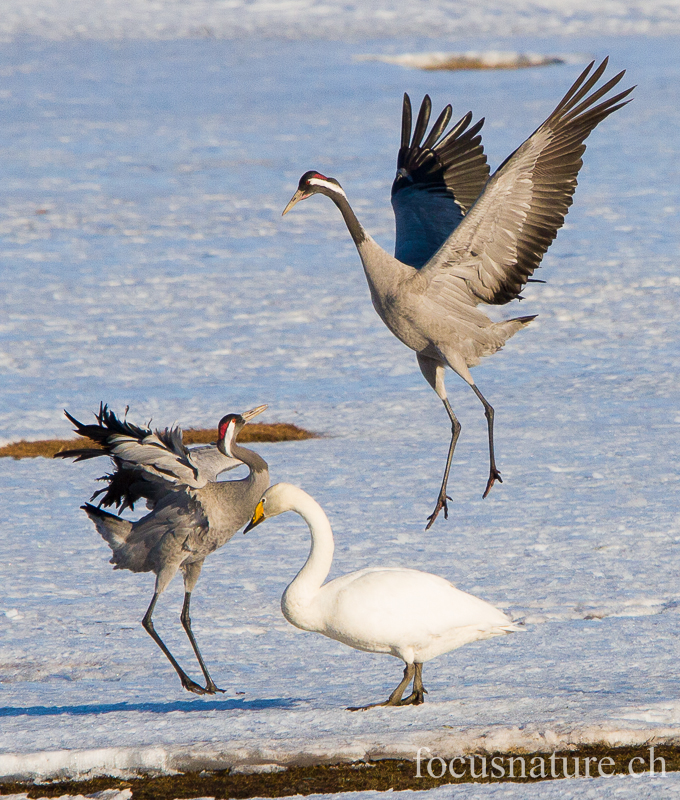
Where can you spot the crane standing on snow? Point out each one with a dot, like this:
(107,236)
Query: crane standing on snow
(462,240)
(192,513)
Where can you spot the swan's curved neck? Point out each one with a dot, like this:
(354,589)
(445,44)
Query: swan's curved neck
(308,581)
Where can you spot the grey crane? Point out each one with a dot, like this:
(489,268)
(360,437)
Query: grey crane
(146,463)
(192,513)
(462,240)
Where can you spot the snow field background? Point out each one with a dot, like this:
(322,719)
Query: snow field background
(144,261)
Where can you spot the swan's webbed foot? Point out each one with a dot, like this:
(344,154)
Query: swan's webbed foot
(416,698)
(371,705)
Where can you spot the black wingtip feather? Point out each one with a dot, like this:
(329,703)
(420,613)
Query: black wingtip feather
(438,128)
(421,122)
(406,121)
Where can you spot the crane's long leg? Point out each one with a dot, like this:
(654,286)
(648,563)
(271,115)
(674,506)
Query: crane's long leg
(494,474)
(417,696)
(443,497)
(433,372)
(210,687)
(147,622)
(395,698)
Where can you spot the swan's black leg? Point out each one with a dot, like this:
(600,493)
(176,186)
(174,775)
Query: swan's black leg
(395,698)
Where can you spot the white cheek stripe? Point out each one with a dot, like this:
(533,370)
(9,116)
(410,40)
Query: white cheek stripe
(229,435)
(332,186)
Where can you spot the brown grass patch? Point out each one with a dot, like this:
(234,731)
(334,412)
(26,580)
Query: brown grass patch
(465,62)
(360,776)
(470,60)
(255,432)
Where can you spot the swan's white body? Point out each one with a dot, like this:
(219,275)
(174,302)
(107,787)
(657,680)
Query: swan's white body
(406,613)
(413,615)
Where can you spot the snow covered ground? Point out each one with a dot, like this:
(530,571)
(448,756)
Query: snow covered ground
(144,261)
(324,19)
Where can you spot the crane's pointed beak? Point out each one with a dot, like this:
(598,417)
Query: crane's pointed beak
(248,415)
(299,195)
(258,516)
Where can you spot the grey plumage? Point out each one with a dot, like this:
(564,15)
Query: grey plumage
(192,514)
(490,249)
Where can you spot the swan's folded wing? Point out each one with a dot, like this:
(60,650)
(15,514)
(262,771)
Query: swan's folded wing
(503,238)
(437,181)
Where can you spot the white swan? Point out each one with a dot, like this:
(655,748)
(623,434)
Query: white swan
(406,613)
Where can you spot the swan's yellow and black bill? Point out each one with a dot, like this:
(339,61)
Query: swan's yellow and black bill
(299,195)
(258,516)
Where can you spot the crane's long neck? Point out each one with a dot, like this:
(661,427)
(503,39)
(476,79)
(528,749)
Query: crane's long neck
(354,227)
(256,482)
(297,600)
(259,470)
(383,272)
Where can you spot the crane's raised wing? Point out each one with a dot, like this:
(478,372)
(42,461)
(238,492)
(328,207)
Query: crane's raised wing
(501,241)
(148,463)
(437,181)
(211,462)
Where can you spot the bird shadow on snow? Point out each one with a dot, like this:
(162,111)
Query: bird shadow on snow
(154,708)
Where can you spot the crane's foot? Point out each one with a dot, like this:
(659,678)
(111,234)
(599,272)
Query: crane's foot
(441,505)
(210,688)
(494,475)
(192,686)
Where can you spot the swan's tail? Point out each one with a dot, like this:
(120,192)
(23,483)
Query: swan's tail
(514,627)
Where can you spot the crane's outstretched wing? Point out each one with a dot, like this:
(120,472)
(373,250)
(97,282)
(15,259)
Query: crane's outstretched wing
(148,463)
(437,181)
(501,241)
(211,462)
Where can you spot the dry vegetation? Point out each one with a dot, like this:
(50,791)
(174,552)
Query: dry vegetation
(461,61)
(360,776)
(255,432)
(468,62)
